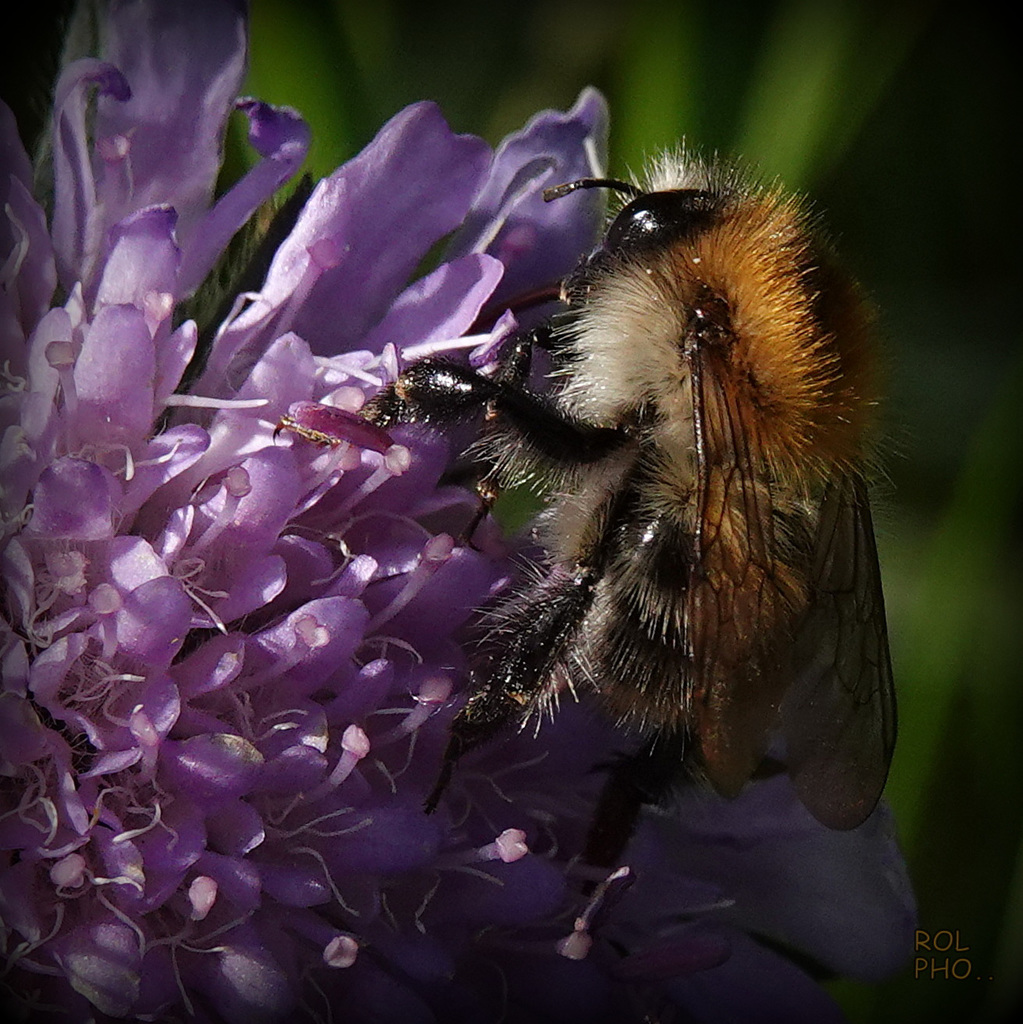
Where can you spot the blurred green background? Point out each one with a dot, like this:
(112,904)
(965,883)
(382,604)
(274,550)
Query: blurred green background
(901,121)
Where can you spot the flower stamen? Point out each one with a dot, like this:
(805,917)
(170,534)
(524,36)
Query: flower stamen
(341,951)
(434,554)
(318,857)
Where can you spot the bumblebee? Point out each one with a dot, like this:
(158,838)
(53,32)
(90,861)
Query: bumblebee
(703,438)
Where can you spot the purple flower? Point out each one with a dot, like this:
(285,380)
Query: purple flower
(230,660)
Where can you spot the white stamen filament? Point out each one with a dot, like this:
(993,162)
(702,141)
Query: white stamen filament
(354,747)
(201,402)
(217,621)
(395,466)
(236,485)
(577,945)
(434,554)
(32,798)
(433,694)
(134,833)
(12,381)
(318,857)
(188,569)
(423,904)
(309,827)
(23,949)
(161,459)
(414,353)
(119,880)
(368,378)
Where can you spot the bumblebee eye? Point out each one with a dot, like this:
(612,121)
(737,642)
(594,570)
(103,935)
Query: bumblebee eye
(655,219)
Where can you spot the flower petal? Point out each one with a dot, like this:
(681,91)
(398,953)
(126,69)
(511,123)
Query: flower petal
(143,260)
(210,667)
(441,306)
(284,374)
(389,840)
(19,903)
(103,963)
(538,242)
(27,271)
(39,412)
(163,458)
(170,851)
(506,894)
(383,210)
(173,357)
(243,980)
(184,61)
(237,878)
(22,736)
(152,624)
(327,630)
(281,137)
(115,376)
(79,221)
(767,852)
(14,161)
(756,986)
(362,232)
(74,500)
(213,768)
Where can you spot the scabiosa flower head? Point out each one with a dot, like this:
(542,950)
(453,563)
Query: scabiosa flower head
(230,658)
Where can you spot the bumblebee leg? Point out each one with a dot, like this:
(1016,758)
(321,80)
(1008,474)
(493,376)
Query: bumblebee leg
(439,391)
(532,636)
(488,490)
(644,777)
(518,360)
(514,370)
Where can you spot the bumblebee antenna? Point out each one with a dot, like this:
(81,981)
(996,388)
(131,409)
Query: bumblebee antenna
(557,191)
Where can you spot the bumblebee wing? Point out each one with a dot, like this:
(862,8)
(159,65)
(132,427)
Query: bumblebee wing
(743,600)
(838,718)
